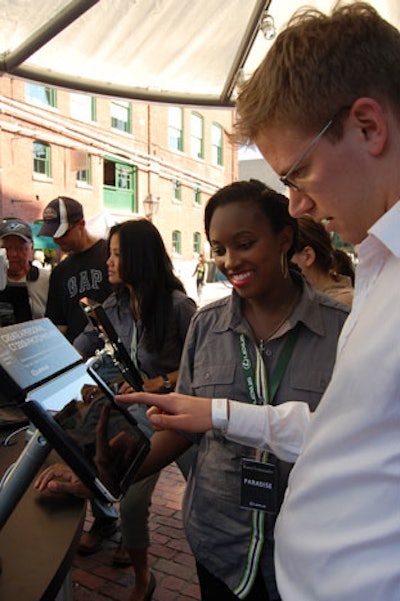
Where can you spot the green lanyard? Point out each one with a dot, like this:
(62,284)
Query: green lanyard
(257,384)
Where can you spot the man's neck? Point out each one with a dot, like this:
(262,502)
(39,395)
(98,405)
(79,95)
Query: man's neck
(87,242)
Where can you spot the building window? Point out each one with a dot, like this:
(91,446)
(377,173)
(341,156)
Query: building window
(175,128)
(216,144)
(121,115)
(196,136)
(120,186)
(197,195)
(41,158)
(83,107)
(176,190)
(84,175)
(197,243)
(176,242)
(42,95)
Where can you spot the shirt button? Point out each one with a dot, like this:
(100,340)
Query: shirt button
(268,352)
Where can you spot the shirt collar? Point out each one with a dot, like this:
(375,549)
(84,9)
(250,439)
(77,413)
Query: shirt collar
(387,229)
(307,311)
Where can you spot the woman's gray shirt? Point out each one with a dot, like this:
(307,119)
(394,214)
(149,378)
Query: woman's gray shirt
(220,533)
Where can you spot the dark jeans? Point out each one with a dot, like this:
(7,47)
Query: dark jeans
(213,589)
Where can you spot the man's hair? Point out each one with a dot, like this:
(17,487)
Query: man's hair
(318,65)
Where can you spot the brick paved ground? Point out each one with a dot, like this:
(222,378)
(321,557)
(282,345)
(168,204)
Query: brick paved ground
(96,579)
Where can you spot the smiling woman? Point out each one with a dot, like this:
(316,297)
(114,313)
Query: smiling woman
(255,345)
(272,340)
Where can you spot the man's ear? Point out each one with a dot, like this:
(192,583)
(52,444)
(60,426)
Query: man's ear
(369,116)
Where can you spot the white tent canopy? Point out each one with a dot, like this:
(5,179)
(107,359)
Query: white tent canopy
(176,51)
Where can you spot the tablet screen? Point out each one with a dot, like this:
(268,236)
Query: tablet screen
(67,412)
(42,372)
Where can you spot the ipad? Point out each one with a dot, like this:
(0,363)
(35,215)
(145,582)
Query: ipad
(44,375)
(99,320)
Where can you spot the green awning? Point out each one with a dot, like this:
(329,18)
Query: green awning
(42,242)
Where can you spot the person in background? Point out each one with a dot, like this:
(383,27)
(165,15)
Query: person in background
(150,312)
(83,273)
(314,255)
(200,273)
(25,295)
(38,258)
(343,264)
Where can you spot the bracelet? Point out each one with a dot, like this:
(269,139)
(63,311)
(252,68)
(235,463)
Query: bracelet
(219,414)
(167,383)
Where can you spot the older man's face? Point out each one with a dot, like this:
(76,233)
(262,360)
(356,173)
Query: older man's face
(18,254)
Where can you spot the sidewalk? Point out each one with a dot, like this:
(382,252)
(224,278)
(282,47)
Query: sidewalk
(96,579)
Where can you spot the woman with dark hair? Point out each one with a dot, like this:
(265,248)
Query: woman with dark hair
(314,255)
(151,312)
(271,341)
(344,264)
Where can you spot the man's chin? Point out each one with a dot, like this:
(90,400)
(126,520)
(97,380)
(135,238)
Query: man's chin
(17,275)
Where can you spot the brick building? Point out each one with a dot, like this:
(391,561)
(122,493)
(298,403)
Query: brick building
(111,155)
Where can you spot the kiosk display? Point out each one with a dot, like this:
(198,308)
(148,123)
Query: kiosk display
(42,373)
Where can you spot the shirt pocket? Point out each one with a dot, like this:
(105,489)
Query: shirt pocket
(309,386)
(215,380)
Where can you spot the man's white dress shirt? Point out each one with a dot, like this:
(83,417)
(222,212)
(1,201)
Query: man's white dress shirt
(338,532)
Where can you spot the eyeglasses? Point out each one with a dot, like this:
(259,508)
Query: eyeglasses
(285,179)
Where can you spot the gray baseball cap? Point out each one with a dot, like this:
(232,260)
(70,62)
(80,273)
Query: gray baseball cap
(13,226)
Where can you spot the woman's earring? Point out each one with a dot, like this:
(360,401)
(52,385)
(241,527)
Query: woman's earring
(284,265)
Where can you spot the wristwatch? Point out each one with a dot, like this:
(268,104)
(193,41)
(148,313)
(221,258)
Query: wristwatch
(167,383)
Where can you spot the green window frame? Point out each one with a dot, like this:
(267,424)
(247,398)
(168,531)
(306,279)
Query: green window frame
(197,195)
(41,158)
(85,175)
(40,94)
(119,185)
(196,136)
(121,115)
(177,190)
(177,242)
(175,128)
(196,243)
(82,107)
(217,144)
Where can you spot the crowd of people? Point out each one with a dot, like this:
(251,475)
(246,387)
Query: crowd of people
(280,402)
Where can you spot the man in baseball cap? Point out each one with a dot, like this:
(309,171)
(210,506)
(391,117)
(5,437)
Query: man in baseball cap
(13,226)
(84,271)
(25,295)
(59,215)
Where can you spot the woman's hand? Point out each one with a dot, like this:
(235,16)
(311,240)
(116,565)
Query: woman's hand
(60,478)
(173,411)
(153,384)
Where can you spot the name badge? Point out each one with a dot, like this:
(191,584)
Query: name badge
(258,486)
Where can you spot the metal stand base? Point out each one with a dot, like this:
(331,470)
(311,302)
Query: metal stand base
(22,474)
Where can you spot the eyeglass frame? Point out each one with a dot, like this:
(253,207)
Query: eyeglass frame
(285,178)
